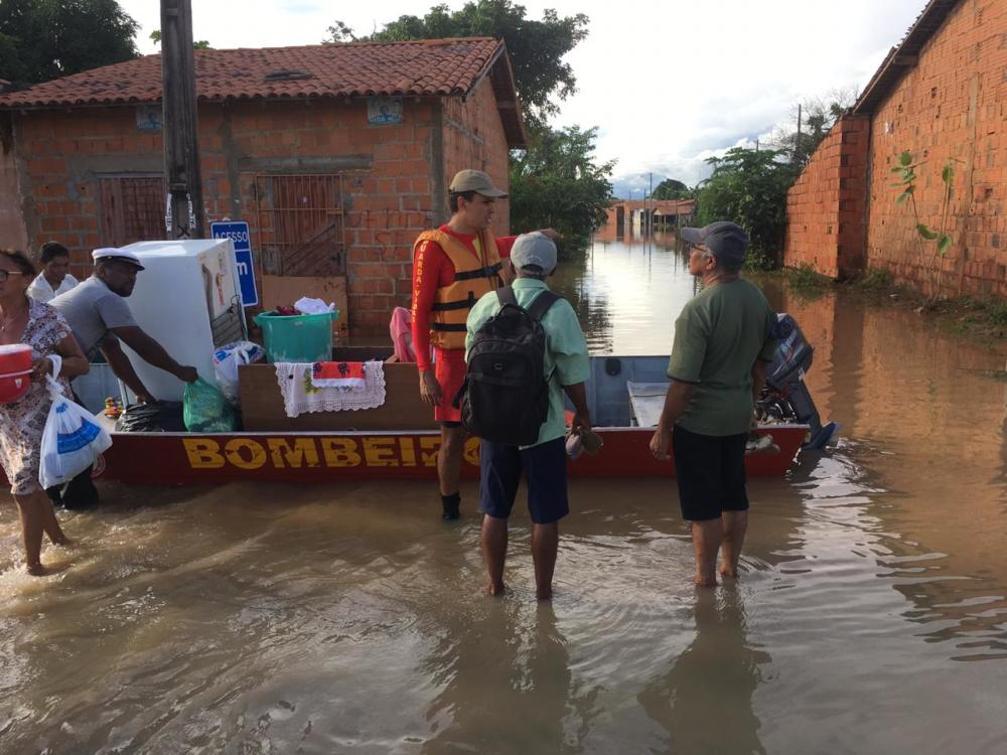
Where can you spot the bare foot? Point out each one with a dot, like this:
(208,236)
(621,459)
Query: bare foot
(705,581)
(63,541)
(729,572)
(36,570)
(544,594)
(495,589)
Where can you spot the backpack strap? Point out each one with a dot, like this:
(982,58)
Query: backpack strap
(506,296)
(542,303)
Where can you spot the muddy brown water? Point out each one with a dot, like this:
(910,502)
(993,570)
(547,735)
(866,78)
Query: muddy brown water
(871,616)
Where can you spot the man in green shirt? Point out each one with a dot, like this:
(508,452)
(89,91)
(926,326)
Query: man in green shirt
(543,463)
(723,341)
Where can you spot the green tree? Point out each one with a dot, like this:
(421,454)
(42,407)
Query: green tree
(46,39)
(749,187)
(536,48)
(671,188)
(556,183)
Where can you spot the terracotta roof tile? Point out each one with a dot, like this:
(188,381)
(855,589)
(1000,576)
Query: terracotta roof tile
(425,67)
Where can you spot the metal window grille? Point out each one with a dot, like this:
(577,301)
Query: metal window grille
(131,208)
(301,225)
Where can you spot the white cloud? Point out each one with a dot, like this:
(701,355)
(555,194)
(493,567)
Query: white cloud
(669,82)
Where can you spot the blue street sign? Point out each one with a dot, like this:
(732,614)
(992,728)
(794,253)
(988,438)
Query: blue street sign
(237,232)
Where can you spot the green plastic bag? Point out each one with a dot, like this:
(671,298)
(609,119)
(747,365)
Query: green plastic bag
(206,410)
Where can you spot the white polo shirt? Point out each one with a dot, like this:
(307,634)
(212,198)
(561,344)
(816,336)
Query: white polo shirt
(41,290)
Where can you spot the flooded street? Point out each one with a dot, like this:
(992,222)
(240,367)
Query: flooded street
(871,615)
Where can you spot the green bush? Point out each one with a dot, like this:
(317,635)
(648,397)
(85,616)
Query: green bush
(749,187)
(807,276)
(556,183)
(875,279)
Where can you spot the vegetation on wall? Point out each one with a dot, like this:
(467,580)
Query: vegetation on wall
(933,243)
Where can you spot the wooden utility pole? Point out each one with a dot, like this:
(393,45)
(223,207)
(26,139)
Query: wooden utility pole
(184,218)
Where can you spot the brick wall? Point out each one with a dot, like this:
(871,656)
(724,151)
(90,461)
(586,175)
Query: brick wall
(473,137)
(13,234)
(826,205)
(394,183)
(952,105)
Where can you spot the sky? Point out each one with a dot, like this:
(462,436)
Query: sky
(668,83)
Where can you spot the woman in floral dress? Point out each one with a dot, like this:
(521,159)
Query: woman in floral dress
(23,320)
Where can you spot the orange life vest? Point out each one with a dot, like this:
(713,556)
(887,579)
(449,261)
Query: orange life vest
(473,278)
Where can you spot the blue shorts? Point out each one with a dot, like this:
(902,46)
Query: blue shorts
(544,466)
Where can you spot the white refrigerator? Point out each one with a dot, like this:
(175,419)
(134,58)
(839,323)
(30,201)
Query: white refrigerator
(188,299)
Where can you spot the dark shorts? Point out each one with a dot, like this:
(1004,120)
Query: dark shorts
(711,473)
(544,466)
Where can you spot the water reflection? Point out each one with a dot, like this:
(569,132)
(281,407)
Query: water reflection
(510,659)
(628,294)
(704,701)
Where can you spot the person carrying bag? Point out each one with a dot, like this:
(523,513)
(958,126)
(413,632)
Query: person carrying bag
(73,438)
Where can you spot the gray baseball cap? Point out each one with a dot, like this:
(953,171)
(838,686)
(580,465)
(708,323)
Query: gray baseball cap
(727,241)
(477,181)
(534,249)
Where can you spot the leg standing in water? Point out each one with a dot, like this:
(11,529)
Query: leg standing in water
(493,540)
(26,322)
(543,463)
(502,467)
(735,524)
(449,468)
(38,517)
(723,338)
(452,267)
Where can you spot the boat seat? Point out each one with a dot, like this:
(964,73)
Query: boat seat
(646,402)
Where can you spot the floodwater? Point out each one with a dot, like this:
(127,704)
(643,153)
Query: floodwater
(871,616)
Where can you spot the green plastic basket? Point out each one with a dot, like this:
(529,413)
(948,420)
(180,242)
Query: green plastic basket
(297,338)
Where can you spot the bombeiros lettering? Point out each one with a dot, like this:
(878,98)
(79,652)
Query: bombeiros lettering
(371,451)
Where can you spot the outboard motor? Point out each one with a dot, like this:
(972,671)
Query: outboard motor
(786,396)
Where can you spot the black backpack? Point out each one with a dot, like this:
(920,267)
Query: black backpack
(505,398)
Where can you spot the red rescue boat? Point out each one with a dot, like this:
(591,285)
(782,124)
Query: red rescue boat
(399,439)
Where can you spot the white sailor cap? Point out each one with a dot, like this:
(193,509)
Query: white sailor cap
(112,253)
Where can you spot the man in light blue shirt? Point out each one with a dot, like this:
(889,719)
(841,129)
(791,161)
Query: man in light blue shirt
(533,258)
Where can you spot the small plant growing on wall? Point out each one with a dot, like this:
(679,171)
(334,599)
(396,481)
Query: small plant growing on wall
(925,235)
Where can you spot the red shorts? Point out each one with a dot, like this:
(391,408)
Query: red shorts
(449,367)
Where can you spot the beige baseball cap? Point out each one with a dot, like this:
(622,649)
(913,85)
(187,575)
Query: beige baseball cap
(477,181)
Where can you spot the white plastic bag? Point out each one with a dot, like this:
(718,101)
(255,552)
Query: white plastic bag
(309,306)
(73,438)
(226,361)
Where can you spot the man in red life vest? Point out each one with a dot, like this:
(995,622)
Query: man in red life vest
(452,267)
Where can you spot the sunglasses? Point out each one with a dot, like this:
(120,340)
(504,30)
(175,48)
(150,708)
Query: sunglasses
(5,274)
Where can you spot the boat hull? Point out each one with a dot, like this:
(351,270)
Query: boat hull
(194,459)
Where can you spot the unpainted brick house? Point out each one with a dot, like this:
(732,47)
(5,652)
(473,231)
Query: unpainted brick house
(336,155)
(942,95)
